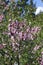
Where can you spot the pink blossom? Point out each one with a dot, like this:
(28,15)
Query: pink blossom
(28,29)
(42,52)
(35,30)
(24,36)
(20,34)
(12,30)
(1,17)
(36,47)
(30,36)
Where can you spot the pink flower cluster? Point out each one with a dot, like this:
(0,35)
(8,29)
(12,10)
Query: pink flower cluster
(21,31)
(1,17)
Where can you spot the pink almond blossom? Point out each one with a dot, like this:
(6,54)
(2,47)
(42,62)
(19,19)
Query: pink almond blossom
(1,17)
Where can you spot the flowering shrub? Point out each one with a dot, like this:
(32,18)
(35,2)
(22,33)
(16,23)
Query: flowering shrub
(19,33)
(20,42)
